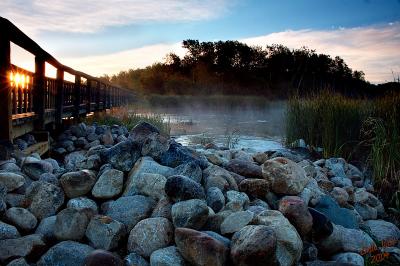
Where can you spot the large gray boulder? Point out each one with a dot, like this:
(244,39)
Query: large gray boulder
(285,176)
(66,253)
(122,156)
(34,169)
(77,184)
(236,221)
(22,218)
(29,245)
(109,184)
(8,231)
(144,165)
(180,188)
(254,245)
(104,232)
(46,228)
(190,213)
(168,256)
(152,185)
(84,204)
(70,224)
(382,230)
(11,181)
(289,243)
(44,199)
(129,210)
(199,248)
(150,235)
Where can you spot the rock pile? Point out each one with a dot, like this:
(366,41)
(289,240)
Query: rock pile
(113,197)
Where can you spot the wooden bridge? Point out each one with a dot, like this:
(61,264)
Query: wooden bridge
(31,101)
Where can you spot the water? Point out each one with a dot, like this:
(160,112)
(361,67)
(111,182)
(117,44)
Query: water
(238,122)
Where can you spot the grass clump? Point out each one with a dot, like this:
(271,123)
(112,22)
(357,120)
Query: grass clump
(125,116)
(365,131)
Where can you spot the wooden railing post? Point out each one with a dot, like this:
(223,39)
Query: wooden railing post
(59,97)
(88,96)
(77,94)
(5,88)
(98,86)
(38,92)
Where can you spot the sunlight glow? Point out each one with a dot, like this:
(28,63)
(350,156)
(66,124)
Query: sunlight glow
(19,80)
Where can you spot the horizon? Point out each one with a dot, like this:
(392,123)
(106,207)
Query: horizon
(99,38)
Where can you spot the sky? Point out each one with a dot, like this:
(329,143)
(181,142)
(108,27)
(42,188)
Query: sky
(104,36)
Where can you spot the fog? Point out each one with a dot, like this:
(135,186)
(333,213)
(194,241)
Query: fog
(249,122)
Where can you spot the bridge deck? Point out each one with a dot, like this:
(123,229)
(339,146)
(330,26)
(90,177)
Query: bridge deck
(30,100)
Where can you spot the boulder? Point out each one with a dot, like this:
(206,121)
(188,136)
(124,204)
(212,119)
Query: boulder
(322,226)
(284,176)
(44,199)
(49,178)
(168,256)
(236,201)
(104,232)
(199,248)
(244,168)
(141,131)
(66,253)
(178,154)
(236,221)
(129,210)
(34,169)
(163,209)
(134,259)
(8,231)
(190,213)
(88,206)
(294,209)
(254,245)
(289,244)
(349,258)
(18,262)
(152,185)
(255,187)
(79,130)
(335,213)
(107,138)
(103,257)
(46,229)
(150,235)
(109,184)
(345,239)
(154,145)
(180,188)
(382,230)
(70,224)
(26,246)
(145,165)
(75,161)
(122,156)
(367,212)
(11,181)
(22,218)
(215,176)
(215,199)
(340,195)
(191,170)
(77,184)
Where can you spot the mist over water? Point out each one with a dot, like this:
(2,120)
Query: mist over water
(249,122)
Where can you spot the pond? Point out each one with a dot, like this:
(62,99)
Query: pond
(231,121)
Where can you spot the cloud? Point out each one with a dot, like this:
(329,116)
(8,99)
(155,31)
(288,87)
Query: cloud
(374,49)
(124,60)
(93,15)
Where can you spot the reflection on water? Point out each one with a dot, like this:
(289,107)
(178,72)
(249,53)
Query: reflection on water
(257,122)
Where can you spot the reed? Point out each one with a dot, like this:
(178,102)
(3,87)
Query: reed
(362,130)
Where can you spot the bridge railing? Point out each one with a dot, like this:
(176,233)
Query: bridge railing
(30,100)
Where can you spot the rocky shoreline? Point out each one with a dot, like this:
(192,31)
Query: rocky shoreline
(112,197)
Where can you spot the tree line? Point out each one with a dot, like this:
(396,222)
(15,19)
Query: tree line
(232,67)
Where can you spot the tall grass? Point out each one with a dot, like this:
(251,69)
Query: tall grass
(360,130)
(125,116)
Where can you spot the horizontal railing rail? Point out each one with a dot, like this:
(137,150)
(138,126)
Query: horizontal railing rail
(32,100)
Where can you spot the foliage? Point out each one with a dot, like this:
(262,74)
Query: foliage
(232,67)
(356,129)
(125,116)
